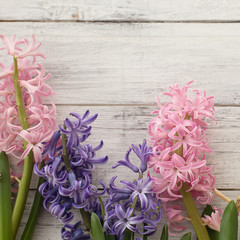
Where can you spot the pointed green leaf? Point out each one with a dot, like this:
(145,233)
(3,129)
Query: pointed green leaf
(86,217)
(32,219)
(229,223)
(186,236)
(102,207)
(164,235)
(5,199)
(96,228)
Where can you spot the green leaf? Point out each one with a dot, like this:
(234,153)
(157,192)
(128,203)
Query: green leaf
(86,217)
(207,210)
(5,199)
(110,237)
(214,235)
(164,235)
(96,228)
(32,219)
(229,223)
(186,236)
(102,207)
(128,234)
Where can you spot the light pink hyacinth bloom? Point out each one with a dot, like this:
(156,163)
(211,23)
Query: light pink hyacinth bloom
(181,123)
(213,221)
(32,80)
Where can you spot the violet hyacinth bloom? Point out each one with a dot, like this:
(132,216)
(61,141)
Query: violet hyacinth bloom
(74,232)
(64,188)
(132,206)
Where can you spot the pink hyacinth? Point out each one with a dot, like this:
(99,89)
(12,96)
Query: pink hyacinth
(180,125)
(32,80)
(213,221)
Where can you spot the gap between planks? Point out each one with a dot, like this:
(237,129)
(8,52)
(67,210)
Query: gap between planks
(125,21)
(129,105)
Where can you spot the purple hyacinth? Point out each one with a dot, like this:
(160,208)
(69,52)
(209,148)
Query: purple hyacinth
(74,232)
(68,188)
(134,203)
(142,152)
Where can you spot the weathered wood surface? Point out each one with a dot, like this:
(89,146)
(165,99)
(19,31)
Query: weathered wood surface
(106,63)
(116,57)
(125,10)
(49,228)
(120,126)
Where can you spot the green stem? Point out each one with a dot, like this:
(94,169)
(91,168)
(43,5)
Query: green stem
(85,215)
(28,161)
(193,214)
(65,153)
(190,206)
(128,233)
(32,219)
(19,98)
(5,199)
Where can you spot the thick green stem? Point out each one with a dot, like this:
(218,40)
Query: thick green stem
(5,199)
(28,161)
(190,206)
(193,214)
(19,98)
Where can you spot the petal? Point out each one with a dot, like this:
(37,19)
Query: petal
(119,212)
(27,150)
(26,135)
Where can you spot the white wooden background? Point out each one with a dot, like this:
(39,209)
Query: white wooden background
(115,57)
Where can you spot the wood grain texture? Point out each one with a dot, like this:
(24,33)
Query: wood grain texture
(122,60)
(120,126)
(105,63)
(125,10)
(49,228)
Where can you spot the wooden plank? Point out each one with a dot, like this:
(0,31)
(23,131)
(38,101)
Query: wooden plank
(121,126)
(108,10)
(133,63)
(49,228)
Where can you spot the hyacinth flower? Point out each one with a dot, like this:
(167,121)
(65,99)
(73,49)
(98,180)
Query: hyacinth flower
(69,175)
(177,135)
(25,121)
(214,220)
(132,208)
